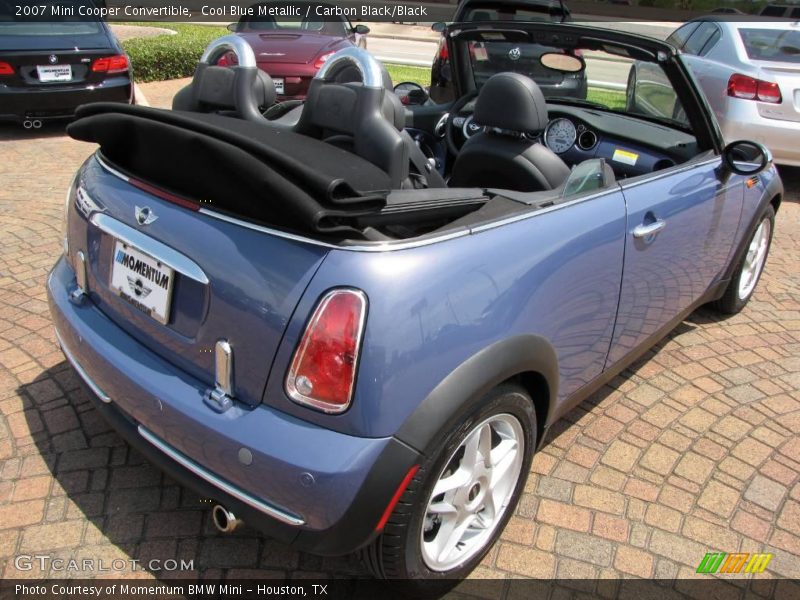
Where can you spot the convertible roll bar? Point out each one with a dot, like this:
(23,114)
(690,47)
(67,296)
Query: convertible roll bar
(239,46)
(368,66)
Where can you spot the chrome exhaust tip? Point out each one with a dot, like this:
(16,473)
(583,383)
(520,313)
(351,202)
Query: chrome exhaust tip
(37,124)
(27,124)
(224,520)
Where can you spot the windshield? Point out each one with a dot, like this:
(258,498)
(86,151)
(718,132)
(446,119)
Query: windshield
(778,45)
(327,25)
(604,83)
(58,21)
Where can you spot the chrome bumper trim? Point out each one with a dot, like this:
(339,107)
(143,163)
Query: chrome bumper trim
(188,463)
(84,375)
(172,258)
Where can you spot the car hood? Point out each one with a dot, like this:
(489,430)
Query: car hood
(291,47)
(54,42)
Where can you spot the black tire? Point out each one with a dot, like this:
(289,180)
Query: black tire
(397,553)
(630,92)
(732,302)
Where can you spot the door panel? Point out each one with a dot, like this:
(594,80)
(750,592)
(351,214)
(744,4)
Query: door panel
(680,229)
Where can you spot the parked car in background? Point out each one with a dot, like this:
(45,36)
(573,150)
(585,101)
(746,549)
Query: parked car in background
(48,69)
(291,51)
(441,89)
(786,11)
(749,70)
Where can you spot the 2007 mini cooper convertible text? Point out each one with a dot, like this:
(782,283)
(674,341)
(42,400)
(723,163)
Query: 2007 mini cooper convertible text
(351,350)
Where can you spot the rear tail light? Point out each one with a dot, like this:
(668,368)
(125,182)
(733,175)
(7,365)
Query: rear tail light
(228,60)
(322,60)
(111,64)
(6,69)
(323,370)
(749,88)
(442,52)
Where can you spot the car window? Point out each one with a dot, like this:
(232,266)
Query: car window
(700,38)
(608,88)
(773,11)
(710,42)
(681,34)
(778,45)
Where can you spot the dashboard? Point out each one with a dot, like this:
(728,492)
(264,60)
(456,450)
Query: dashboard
(631,146)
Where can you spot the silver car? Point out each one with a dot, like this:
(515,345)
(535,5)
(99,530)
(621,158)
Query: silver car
(749,70)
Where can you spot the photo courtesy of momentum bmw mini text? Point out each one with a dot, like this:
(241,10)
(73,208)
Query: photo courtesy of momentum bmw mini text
(399,299)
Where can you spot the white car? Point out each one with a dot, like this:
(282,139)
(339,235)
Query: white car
(749,70)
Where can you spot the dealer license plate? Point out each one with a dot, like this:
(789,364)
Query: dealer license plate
(278,86)
(49,73)
(143,281)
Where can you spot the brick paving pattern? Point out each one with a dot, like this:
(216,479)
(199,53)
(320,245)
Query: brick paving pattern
(693,449)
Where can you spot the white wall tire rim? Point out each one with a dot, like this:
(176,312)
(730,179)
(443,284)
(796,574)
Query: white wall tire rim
(472,493)
(754,259)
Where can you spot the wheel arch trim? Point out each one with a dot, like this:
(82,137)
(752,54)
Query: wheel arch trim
(463,388)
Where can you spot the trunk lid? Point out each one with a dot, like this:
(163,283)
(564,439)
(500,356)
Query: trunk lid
(297,48)
(787,76)
(229,282)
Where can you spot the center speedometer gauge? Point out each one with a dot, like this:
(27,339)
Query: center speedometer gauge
(560,135)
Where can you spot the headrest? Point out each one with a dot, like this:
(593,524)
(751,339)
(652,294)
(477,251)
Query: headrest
(217,88)
(511,101)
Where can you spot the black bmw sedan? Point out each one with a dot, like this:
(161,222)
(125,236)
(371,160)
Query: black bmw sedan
(55,60)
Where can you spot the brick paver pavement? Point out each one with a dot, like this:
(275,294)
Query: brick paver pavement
(694,448)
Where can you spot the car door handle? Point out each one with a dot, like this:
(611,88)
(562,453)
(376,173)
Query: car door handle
(643,231)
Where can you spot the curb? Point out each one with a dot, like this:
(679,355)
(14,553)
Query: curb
(139,97)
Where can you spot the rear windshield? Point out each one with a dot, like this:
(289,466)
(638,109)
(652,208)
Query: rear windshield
(778,45)
(52,17)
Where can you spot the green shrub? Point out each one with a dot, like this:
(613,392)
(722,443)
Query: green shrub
(169,56)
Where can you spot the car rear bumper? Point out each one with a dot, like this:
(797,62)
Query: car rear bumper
(59,102)
(318,490)
(743,122)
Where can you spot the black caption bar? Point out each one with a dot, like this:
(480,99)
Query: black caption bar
(358,589)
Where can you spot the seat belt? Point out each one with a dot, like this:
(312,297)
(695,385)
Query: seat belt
(427,175)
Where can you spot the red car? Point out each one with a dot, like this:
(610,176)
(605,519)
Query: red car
(291,49)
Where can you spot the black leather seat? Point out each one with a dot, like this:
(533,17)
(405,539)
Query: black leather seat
(212,90)
(501,157)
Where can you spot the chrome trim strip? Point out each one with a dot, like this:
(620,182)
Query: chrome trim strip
(98,157)
(240,47)
(172,258)
(83,374)
(378,247)
(226,487)
(671,171)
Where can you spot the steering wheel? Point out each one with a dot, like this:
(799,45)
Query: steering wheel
(449,128)
(245,72)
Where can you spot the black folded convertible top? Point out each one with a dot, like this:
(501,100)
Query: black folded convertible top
(261,173)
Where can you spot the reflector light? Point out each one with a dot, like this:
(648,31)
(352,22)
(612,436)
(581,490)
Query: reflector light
(323,370)
(322,60)
(6,69)
(749,88)
(111,64)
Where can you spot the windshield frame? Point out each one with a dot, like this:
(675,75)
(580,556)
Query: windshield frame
(702,123)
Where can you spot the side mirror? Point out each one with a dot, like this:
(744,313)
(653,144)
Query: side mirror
(744,157)
(439,27)
(361,29)
(232,27)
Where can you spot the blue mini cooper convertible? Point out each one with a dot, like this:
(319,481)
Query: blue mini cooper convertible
(352,322)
